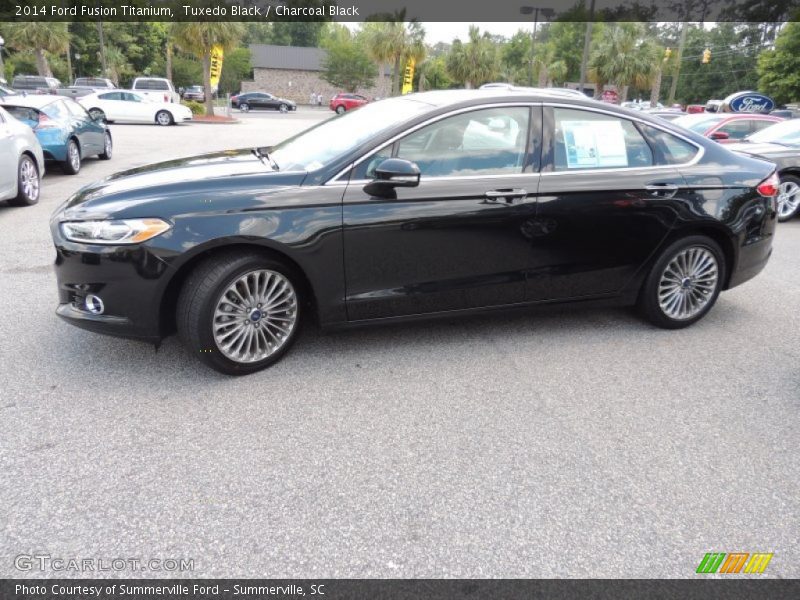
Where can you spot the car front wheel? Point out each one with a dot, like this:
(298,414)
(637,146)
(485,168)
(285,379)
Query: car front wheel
(239,313)
(244,107)
(788,197)
(684,283)
(283,108)
(163,117)
(108,147)
(340,109)
(28,183)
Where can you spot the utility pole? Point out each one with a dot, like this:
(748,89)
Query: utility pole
(103,64)
(587,41)
(674,85)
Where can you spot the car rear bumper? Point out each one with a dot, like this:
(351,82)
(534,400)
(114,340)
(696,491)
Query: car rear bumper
(752,259)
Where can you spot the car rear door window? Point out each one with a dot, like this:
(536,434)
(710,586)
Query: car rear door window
(111,96)
(669,149)
(738,129)
(584,139)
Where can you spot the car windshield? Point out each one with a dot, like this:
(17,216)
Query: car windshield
(786,132)
(699,123)
(318,146)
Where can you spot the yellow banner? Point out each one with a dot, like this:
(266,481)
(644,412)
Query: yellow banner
(408,77)
(216,66)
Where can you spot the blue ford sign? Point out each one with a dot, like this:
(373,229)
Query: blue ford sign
(749,102)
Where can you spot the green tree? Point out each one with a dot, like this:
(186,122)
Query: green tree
(432,74)
(346,65)
(198,38)
(395,42)
(236,67)
(476,62)
(40,38)
(622,57)
(779,69)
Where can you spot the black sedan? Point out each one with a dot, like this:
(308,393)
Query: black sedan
(779,143)
(256,100)
(440,203)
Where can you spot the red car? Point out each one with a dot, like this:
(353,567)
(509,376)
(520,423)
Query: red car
(726,128)
(344,102)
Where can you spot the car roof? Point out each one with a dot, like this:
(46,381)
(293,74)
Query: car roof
(34,100)
(447,97)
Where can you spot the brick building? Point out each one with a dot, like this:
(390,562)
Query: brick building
(294,72)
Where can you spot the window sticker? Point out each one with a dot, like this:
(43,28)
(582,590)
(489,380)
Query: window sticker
(591,144)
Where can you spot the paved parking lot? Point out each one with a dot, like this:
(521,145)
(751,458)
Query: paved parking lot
(556,443)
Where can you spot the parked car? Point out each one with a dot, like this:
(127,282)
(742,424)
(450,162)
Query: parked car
(195,92)
(726,128)
(343,102)
(641,105)
(255,100)
(125,106)
(21,162)
(157,89)
(35,83)
(96,83)
(695,108)
(65,130)
(438,203)
(780,144)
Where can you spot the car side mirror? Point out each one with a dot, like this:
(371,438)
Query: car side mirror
(390,174)
(98,117)
(720,135)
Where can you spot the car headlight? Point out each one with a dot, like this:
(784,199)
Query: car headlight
(122,231)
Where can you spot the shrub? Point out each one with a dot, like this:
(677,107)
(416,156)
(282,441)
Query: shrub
(197,108)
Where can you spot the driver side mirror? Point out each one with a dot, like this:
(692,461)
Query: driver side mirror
(390,174)
(719,135)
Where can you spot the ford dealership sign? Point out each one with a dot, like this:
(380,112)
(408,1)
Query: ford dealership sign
(749,102)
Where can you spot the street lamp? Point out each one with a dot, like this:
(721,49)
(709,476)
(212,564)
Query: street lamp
(535,10)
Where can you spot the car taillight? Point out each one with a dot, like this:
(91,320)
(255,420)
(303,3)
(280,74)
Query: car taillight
(770,186)
(45,122)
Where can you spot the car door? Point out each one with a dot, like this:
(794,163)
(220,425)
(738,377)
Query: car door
(138,108)
(8,159)
(460,238)
(112,105)
(607,199)
(90,133)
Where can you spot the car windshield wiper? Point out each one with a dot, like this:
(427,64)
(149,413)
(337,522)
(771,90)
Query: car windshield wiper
(264,157)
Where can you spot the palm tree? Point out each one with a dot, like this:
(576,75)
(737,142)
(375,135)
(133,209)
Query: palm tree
(41,38)
(396,42)
(475,62)
(622,57)
(549,68)
(199,38)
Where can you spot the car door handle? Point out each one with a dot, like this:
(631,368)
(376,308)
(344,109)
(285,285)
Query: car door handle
(508,195)
(662,190)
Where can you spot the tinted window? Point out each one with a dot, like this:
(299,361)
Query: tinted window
(482,142)
(23,113)
(738,129)
(669,149)
(128,97)
(151,84)
(589,140)
(111,96)
(759,125)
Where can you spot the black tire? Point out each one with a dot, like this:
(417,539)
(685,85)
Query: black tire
(649,304)
(200,295)
(786,214)
(164,117)
(283,108)
(72,165)
(340,109)
(108,147)
(244,107)
(28,191)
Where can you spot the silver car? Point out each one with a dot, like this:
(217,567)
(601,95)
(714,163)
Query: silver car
(21,162)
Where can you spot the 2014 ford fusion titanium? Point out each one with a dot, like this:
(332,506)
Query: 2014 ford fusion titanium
(437,203)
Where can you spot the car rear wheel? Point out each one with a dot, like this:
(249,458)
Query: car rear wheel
(28,183)
(340,109)
(108,147)
(72,165)
(244,107)
(788,197)
(239,312)
(684,283)
(163,117)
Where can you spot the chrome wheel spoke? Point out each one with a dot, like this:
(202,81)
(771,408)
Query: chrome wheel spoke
(688,282)
(255,316)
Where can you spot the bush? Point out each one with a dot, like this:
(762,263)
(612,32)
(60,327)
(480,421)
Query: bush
(197,108)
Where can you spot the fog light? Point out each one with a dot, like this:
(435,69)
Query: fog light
(94,304)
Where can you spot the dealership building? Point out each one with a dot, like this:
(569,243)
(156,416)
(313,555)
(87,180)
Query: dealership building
(295,72)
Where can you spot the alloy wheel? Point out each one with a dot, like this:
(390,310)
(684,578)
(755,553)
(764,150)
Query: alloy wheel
(688,283)
(74,156)
(164,118)
(788,199)
(255,316)
(29,179)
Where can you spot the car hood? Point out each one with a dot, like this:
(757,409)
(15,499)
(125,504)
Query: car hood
(231,178)
(763,149)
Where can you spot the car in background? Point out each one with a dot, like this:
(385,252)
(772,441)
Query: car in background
(438,203)
(343,102)
(21,162)
(36,84)
(126,106)
(96,83)
(158,89)
(195,93)
(692,109)
(641,105)
(779,144)
(263,100)
(67,133)
(726,128)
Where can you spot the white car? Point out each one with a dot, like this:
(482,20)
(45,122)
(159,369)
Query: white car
(156,88)
(123,105)
(21,162)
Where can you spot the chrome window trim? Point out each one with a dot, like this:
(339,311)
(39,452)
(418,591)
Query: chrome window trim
(335,179)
